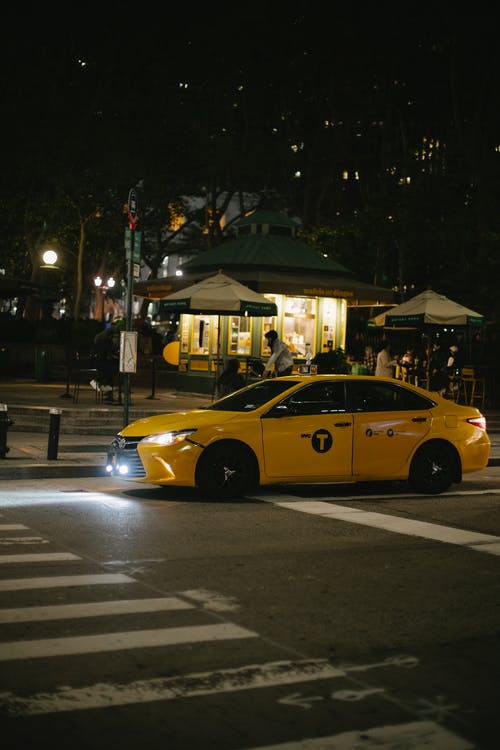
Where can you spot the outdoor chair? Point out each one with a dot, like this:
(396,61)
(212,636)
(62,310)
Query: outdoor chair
(82,372)
(472,387)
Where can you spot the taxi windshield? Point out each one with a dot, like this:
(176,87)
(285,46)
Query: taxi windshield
(253,396)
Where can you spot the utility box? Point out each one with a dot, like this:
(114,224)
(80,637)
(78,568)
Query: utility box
(42,364)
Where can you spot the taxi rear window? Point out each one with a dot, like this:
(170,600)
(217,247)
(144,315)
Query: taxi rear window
(366,395)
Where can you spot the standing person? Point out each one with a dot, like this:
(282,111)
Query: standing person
(370,360)
(280,357)
(230,379)
(385,363)
(438,376)
(455,361)
(106,356)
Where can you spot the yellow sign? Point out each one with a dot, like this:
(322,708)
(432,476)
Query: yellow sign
(171,353)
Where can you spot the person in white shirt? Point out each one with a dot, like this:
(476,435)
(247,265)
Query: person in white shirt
(281,356)
(385,363)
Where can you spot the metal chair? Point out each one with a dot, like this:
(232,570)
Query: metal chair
(82,372)
(472,387)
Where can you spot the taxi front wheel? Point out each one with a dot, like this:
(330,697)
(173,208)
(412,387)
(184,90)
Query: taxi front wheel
(226,471)
(434,468)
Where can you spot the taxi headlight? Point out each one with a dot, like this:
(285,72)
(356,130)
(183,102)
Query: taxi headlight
(168,438)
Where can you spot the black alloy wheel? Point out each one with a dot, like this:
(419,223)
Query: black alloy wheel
(434,468)
(226,471)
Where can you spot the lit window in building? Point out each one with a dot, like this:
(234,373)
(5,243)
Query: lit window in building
(299,323)
(240,336)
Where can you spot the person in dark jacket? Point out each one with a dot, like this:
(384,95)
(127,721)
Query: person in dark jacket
(106,358)
(230,379)
(438,375)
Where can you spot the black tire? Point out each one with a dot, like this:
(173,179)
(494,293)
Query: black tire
(226,471)
(434,468)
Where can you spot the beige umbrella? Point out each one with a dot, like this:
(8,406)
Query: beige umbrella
(428,308)
(218,295)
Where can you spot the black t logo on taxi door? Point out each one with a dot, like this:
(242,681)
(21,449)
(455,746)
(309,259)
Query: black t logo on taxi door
(321,441)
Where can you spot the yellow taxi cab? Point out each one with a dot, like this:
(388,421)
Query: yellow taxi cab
(306,429)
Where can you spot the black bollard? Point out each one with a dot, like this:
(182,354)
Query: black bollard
(5,423)
(153,380)
(55,421)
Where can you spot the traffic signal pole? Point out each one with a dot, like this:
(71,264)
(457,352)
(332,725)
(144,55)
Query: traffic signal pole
(132,253)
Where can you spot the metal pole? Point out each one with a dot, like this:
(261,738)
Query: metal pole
(153,379)
(5,422)
(128,324)
(53,444)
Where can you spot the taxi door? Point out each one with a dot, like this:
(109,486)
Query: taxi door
(389,422)
(309,434)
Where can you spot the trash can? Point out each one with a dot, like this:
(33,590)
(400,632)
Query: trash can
(42,364)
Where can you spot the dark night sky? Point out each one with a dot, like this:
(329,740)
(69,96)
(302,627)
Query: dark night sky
(137,55)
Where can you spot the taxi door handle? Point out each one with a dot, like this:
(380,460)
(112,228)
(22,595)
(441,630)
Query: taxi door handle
(419,419)
(342,424)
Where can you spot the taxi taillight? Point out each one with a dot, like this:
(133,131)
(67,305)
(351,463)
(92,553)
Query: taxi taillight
(478,422)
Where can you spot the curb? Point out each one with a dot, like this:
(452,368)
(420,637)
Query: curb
(45,471)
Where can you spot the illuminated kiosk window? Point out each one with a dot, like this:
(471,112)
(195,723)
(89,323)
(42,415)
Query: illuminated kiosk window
(186,321)
(299,324)
(343,322)
(204,338)
(333,323)
(240,336)
(329,330)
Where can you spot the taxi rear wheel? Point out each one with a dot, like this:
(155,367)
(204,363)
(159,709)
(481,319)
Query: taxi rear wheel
(434,468)
(226,471)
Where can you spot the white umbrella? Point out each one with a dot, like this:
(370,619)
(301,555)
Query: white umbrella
(218,295)
(428,308)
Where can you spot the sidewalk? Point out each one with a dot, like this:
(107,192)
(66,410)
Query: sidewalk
(85,455)
(76,455)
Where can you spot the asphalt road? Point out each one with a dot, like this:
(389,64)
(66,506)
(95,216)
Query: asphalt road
(352,618)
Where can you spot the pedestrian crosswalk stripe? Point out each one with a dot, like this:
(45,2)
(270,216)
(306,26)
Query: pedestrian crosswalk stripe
(39,557)
(12,527)
(51,582)
(131,639)
(92,609)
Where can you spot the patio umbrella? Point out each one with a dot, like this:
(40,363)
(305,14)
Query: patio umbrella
(426,312)
(429,308)
(218,295)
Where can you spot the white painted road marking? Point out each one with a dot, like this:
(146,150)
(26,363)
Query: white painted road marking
(12,527)
(416,735)
(104,695)
(212,600)
(93,644)
(9,541)
(52,582)
(472,539)
(39,557)
(92,609)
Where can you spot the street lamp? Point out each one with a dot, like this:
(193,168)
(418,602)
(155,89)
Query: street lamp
(101,288)
(49,258)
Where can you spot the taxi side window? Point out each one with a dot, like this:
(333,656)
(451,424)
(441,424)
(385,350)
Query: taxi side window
(318,398)
(365,396)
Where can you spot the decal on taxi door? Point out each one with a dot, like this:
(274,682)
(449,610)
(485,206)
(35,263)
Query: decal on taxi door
(321,441)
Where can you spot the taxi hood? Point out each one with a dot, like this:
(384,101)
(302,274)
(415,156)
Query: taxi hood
(181,420)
